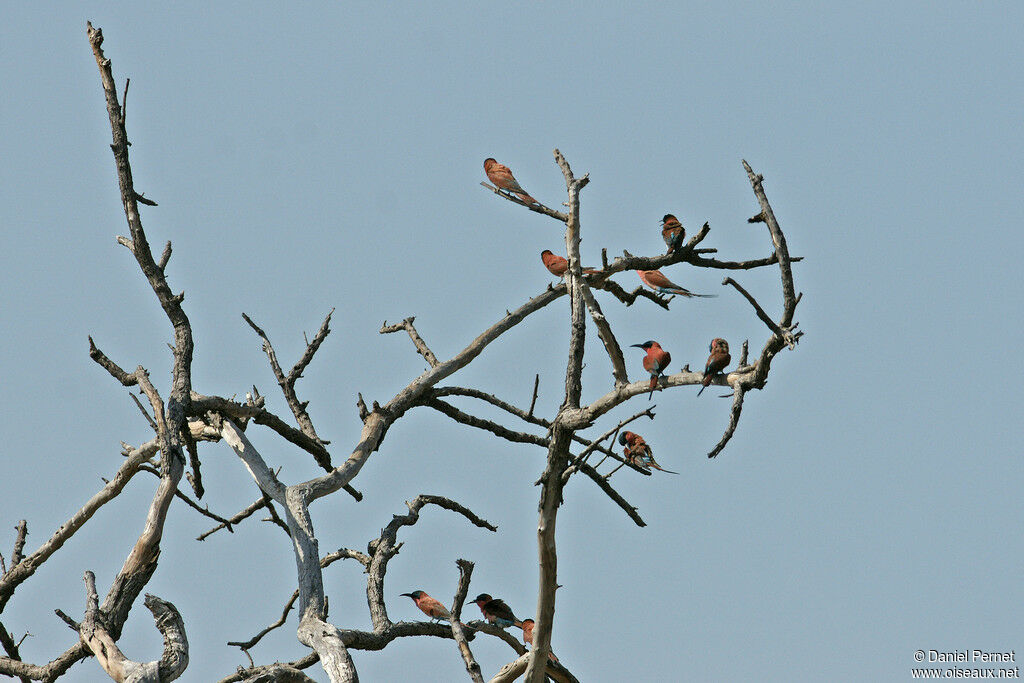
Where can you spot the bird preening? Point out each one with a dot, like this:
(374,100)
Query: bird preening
(638,453)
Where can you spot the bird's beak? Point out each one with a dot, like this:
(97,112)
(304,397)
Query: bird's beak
(407,594)
(639,346)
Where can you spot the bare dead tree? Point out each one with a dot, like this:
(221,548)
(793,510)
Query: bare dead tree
(187,418)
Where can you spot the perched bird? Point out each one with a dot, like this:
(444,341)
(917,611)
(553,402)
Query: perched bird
(638,453)
(528,637)
(557,265)
(429,606)
(673,232)
(496,612)
(717,361)
(662,285)
(655,362)
(501,176)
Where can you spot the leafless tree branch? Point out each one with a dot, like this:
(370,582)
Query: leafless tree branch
(417,340)
(512,410)
(22,570)
(187,417)
(649,412)
(166,255)
(255,411)
(11,648)
(97,637)
(287,384)
(604,331)
(251,643)
(514,669)
(789,296)
(772,325)
(386,547)
(734,419)
(142,409)
(465,573)
(561,435)
(110,366)
(533,401)
(493,400)
(377,423)
(263,502)
(480,423)
(18,552)
(603,484)
(537,208)
(327,560)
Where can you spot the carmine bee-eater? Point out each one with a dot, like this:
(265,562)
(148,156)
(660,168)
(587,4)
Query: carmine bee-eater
(557,265)
(429,606)
(528,637)
(655,362)
(501,176)
(638,453)
(673,232)
(717,361)
(662,285)
(496,611)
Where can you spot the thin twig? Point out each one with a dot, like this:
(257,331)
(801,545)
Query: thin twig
(287,385)
(772,325)
(251,643)
(533,401)
(465,573)
(417,340)
(734,419)
(262,502)
(604,331)
(538,207)
(145,413)
(480,423)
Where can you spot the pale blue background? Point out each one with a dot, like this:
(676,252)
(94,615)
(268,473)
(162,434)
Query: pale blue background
(318,157)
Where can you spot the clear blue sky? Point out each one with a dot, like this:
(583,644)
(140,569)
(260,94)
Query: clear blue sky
(870,504)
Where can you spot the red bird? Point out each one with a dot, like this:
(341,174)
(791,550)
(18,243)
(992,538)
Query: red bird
(717,361)
(501,176)
(528,637)
(673,232)
(638,453)
(655,362)
(496,612)
(429,606)
(557,265)
(662,285)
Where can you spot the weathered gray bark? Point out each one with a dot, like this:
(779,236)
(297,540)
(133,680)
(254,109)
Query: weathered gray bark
(187,418)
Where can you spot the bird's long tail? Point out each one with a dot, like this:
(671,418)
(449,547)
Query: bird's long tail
(687,293)
(659,467)
(654,385)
